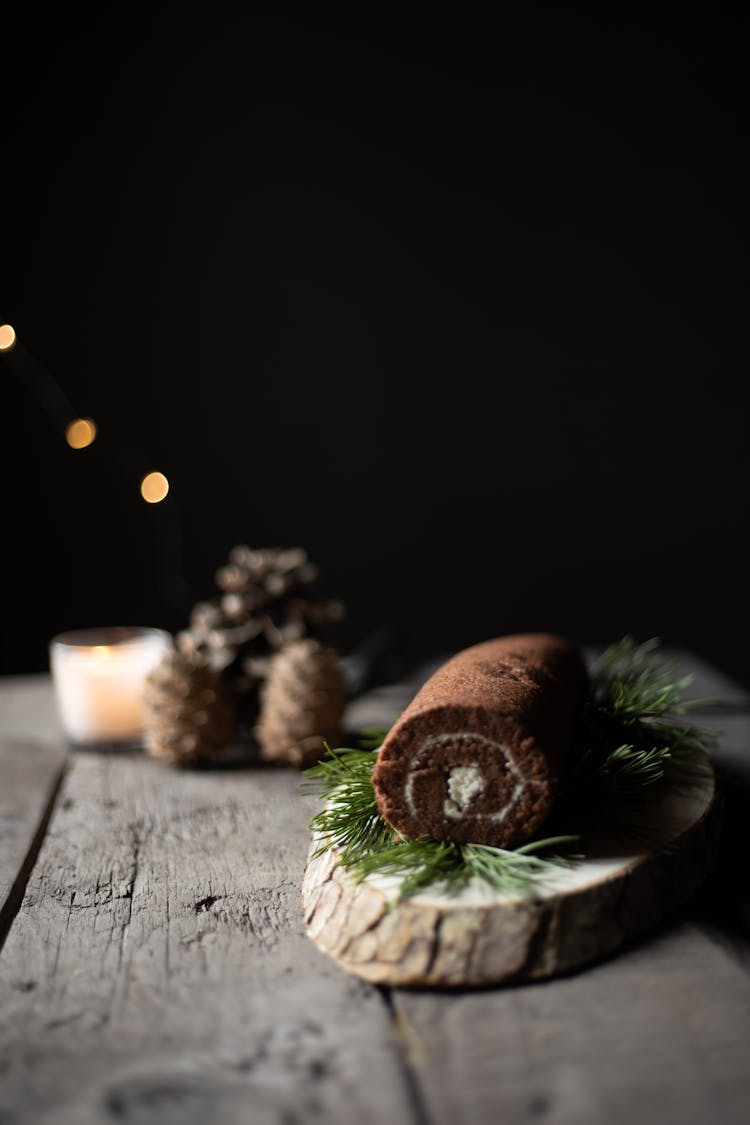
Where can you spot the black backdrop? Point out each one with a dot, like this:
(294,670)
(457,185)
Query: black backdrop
(457,310)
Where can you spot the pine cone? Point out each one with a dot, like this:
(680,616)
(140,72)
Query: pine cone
(189,716)
(302,704)
(266,601)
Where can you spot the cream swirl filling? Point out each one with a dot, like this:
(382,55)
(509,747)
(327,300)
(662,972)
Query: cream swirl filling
(465,783)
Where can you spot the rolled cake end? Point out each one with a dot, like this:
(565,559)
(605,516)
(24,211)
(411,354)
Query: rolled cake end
(476,757)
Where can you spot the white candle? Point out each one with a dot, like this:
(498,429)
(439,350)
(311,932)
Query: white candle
(99,677)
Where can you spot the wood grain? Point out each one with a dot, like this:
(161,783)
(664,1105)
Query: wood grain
(657,1034)
(158,969)
(29,776)
(31,763)
(480,937)
(158,972)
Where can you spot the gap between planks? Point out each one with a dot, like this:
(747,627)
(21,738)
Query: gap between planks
(30,817)
(159,964)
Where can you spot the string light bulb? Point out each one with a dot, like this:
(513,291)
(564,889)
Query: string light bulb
(80,432)
(154,487)
(7,337)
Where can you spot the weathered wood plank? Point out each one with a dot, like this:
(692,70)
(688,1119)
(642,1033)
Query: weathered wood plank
(482,937)
(29,776)
(27,709)
(658,1033)
(31,762)
(158,972)
(158,969)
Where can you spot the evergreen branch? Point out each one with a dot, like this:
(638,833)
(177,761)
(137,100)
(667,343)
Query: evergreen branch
(350,819)
(631,683)
(424,862)
(367,844)
(342,766)
(633,731)
(419,863)
(632,737)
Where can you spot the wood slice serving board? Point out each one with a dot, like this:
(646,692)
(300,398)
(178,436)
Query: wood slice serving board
(480,937)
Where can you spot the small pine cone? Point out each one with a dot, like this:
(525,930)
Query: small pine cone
(302,704)
(188,715)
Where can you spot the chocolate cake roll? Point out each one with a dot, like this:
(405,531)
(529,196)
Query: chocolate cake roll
(476,757)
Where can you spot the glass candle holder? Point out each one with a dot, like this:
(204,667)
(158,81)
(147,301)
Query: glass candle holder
(99,676)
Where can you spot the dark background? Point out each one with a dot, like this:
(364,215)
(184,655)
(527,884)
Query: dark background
(459,310)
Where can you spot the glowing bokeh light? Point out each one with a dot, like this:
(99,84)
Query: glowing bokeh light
(154,487)
(7,337)
(80,432)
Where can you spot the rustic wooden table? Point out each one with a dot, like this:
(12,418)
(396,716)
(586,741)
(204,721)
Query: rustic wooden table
(155,966)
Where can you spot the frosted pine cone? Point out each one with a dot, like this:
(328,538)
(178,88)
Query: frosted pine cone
(189,716)
(302,704)
(266,599)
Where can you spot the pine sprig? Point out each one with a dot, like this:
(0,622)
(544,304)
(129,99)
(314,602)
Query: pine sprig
(350,820)
(632,735)
(425,862)
(632,683)
(634,727)
(367,844)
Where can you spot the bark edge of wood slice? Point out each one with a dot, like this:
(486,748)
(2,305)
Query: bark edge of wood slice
(481,938)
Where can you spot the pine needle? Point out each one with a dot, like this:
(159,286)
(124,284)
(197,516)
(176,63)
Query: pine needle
(424,862)
(633,730)
(632,737)
(350,819)
(351,823)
